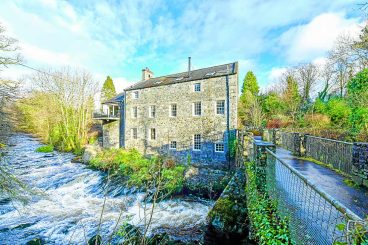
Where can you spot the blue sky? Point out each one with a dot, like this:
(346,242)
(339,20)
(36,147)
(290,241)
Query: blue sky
(119,38)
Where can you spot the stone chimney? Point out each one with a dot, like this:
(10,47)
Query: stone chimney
(146,74)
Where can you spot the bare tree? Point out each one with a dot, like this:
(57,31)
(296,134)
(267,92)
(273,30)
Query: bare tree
(343,62)
(8,48)
(60,106)
(326,76)
(306,75)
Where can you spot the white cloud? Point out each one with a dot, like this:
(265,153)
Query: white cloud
(40,55)
(276,73)
(312,40)
(119,38)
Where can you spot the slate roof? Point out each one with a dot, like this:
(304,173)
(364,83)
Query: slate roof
(204,73)
(115,100)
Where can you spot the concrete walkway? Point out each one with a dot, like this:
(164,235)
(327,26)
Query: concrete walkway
(355,199)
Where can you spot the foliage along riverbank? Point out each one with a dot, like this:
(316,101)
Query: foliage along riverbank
(140,171)
(172,177)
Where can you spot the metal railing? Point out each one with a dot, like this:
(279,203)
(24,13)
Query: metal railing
(313,215)
(104,115)
(337,153)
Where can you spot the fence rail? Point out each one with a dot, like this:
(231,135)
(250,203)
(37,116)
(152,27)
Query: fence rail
(312,213)
(337,153)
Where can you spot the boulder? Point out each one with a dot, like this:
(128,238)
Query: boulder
(90,152)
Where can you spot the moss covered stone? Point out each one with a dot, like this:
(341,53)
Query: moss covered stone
(229,214)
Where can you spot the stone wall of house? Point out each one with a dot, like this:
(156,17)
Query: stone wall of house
(110,134)
(182,128)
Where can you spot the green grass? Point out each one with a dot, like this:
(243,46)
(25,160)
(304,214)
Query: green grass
(2,145)
(351,183)
(45,148)
(324,165)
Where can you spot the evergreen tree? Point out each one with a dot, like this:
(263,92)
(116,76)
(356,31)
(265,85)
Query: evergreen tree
(250,83)
(249,107)
(291,97)
(108,89)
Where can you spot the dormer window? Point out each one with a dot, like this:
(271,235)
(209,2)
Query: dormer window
(135,94)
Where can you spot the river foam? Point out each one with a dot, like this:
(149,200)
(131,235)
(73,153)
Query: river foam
(70,206)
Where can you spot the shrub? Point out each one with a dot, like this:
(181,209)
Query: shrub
(317,120)
(279,121)
(268,226)
(45,148)
(338,110)
(140,170)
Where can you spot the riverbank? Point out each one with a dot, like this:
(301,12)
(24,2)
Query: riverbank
(176,178)
(69,211)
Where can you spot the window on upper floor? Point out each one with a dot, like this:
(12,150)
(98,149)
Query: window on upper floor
(197,108)
(173,110)
(134,112)
(134,133)
(197,87)
(152,111)
(220,107)
(153,134)
(219,147)
(173,145)
(135,94)
(197,144)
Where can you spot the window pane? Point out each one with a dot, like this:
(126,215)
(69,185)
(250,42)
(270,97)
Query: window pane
(197,108)
(152,111)
(173,145)
(173,110)
(135,112)
(197,142)
(220,107)
(135,94)
(134,133)
(153,133)
(219,147)
(197,87)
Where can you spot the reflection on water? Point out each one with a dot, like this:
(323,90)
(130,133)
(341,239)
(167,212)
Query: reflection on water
(73,195)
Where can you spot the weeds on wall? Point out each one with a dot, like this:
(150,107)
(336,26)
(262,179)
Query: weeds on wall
(267,227)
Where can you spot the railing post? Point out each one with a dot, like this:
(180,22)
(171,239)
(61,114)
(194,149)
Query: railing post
(360,163)
(248,146)
(261,162)
(297,144)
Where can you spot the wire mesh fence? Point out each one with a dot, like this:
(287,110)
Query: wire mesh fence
(337,153)
(313,215)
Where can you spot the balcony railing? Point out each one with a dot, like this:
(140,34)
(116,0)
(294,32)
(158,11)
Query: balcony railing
(105,116)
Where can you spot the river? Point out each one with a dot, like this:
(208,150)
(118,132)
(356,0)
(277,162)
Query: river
(68,208)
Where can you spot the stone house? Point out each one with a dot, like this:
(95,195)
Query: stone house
(190,115)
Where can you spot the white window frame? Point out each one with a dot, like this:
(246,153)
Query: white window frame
(194,108)
(135,113)
(223,147)
(171,110)
(195,87)
(170,145)
(134,136)
(152,108)
(216,106)
(135,95)
(150,134)
(194,142)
